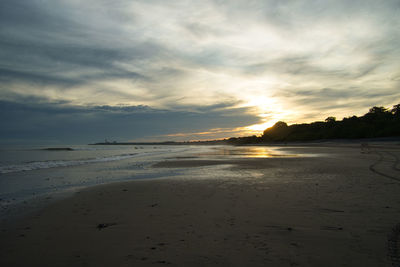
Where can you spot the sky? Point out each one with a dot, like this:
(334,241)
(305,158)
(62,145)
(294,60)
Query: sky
(153,70)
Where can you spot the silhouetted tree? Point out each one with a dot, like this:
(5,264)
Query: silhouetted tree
(280,124)
(277,132)
(378,122)
(396,110)
(377,110)
(330,119)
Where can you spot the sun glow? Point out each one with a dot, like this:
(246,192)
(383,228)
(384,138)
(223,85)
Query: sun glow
(268,109)
(260,127)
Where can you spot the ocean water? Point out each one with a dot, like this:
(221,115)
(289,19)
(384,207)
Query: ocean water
(34,173)
(29,172)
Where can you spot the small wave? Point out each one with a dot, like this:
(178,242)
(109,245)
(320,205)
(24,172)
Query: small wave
(36,165)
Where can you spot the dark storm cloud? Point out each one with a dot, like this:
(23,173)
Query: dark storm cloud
(63,123)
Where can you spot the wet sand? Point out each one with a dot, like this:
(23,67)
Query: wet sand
(341,208)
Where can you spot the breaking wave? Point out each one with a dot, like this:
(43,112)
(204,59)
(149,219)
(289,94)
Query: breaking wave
(37,165)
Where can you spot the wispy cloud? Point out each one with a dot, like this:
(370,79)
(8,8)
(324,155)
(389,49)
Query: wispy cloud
(216,133)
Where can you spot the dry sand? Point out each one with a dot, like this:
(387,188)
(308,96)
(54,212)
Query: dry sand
(338,209)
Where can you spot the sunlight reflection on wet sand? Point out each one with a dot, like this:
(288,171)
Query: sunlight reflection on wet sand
(249,152)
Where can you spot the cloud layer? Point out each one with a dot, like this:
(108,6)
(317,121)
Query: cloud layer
(58,123)
(272,60)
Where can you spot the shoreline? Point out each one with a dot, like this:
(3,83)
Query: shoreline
(307,211)
(386,139)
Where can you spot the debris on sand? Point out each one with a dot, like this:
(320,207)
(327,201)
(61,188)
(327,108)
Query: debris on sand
(58,149)
(104,225)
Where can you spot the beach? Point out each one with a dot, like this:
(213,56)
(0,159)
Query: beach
(311,205)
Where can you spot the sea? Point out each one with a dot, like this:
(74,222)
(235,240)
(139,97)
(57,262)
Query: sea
(31,172)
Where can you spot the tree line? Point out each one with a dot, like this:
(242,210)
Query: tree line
(377,122)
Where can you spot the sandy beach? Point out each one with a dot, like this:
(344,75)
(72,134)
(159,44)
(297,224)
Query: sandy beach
(335,207)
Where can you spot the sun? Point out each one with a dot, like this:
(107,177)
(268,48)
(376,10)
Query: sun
(268,109)
(260,127)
